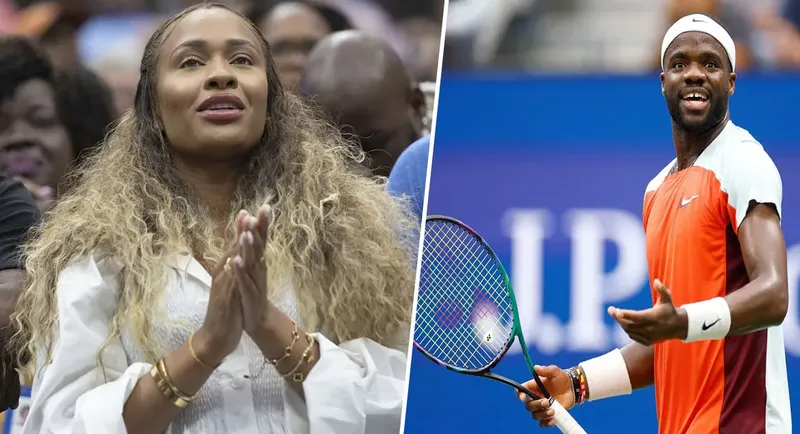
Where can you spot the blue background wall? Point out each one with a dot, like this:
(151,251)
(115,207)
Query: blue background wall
(519,156)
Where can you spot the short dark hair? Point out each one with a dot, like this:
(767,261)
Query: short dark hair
(86,107)
(336,20)
(21,60)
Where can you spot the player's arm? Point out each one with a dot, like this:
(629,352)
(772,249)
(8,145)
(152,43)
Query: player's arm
(753,208)
(615,373)
(764,301)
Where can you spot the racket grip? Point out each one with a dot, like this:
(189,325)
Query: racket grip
(564,421)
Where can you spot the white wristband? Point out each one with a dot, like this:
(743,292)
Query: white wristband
(708,320)
(607,376)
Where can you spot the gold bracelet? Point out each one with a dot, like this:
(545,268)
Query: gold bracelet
(165,388)
(287,352)
(162,368)
(195,357)
(308,357)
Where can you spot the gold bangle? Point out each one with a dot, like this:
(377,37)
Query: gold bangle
(164,387)
(162,368)
(195,357)
(308,357)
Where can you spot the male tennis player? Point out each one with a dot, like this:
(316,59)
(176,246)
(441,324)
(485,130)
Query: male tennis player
(711,345)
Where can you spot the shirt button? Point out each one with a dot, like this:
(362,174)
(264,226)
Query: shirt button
(237,383)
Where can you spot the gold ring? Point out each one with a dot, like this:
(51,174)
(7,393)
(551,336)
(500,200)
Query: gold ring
(227,266)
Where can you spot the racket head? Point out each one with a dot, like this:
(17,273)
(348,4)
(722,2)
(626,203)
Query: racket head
(464,317)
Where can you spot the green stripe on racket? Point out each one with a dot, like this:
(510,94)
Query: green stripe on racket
(467,316)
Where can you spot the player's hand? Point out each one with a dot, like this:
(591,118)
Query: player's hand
(558,383)
(659,323)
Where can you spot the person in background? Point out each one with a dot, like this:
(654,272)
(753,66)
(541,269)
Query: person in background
(47,119)
(54,24)
(409,173)
(18,214)
(87,108)
(34,142)
(218,250)
(292,29)
(365,87)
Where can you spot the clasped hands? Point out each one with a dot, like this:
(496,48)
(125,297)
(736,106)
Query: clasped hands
(238,301)
(659,323)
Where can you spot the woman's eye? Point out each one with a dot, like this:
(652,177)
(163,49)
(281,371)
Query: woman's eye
(190,63)
(242,60)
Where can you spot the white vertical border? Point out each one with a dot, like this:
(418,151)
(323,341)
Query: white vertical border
(424,213)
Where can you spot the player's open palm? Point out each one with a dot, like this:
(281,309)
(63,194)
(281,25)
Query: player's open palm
(558,383)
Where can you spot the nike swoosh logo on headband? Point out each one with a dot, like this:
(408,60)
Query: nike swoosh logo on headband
(695,20)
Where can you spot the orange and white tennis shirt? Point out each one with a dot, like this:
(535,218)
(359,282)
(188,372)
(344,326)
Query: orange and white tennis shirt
(736,385)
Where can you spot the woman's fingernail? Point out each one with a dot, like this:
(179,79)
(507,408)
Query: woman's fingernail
(249,237)
(238,261)
(46,191)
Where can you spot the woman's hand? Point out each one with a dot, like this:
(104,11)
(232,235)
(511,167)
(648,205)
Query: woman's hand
(222,330)
(250,269)
(43,195)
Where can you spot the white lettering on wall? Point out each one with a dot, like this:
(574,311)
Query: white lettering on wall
(591,287)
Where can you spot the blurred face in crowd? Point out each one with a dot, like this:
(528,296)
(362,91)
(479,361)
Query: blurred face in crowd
(697,81)
(293,29)
(387,126)
(34,142)
(212,86)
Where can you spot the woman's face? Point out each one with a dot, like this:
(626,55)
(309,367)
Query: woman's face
(293,29)
(212,86)
(34,144)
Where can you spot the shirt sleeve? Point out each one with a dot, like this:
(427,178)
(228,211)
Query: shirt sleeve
(18,212)
(71,394)
(751,176)
(407,179)
(356,387)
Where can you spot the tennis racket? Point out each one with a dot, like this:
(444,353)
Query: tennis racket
(467,318)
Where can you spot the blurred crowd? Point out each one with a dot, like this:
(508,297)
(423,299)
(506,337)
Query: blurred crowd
(619,36)
(108,36)
(93,51)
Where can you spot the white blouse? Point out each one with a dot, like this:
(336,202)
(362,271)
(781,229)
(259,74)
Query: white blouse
(355,387)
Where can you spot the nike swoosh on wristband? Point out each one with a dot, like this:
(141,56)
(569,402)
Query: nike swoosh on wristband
(706,327)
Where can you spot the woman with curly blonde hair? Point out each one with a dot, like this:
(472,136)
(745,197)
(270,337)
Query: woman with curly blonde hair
(141,314)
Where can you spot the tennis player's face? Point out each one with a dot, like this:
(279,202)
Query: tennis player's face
(697,82)
(212,86)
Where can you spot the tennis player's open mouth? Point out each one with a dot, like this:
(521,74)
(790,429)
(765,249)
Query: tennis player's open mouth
(695,99)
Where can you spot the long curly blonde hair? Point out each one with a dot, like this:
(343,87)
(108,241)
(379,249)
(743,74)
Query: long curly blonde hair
(336,231)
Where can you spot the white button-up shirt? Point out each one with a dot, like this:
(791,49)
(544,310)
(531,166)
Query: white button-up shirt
(355,387)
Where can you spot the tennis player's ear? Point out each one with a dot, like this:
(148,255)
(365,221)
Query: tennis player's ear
(732,84)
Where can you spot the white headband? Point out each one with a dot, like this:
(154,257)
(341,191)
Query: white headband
(704,24)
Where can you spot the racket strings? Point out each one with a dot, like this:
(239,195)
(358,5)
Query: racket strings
(464,315)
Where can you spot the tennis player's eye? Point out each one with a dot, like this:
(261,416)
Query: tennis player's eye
(711,65)
(678,65)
